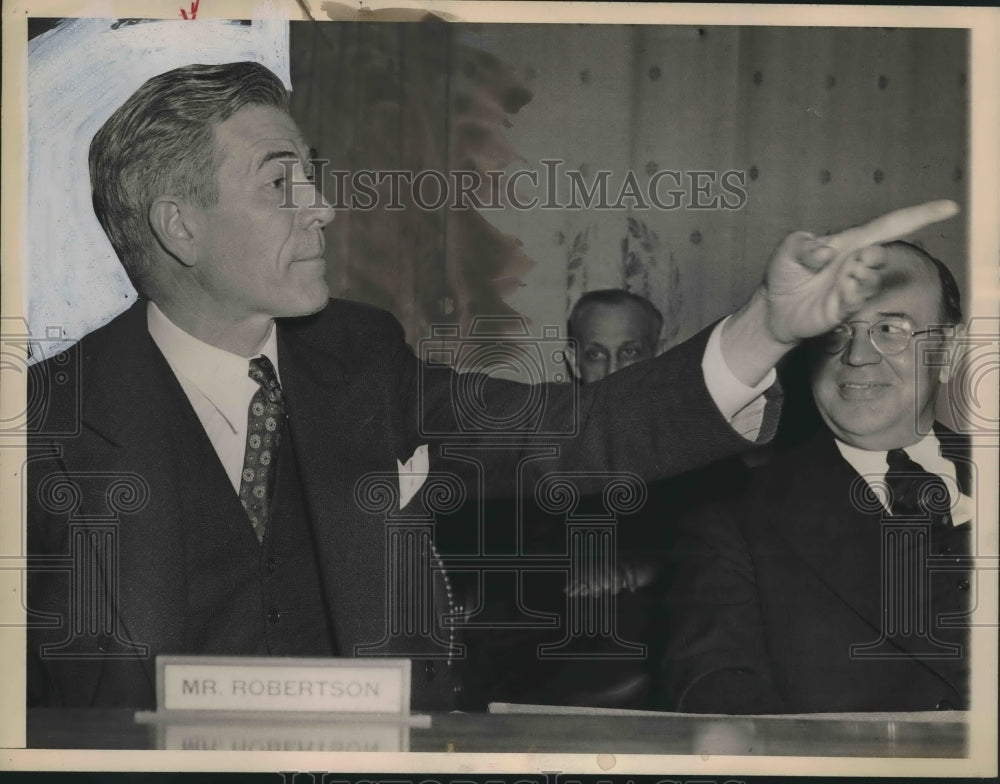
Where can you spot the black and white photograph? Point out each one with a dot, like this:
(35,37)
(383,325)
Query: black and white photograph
(609,388)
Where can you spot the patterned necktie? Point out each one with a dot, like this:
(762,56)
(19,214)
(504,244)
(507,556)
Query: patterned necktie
(265,419)
(916,492)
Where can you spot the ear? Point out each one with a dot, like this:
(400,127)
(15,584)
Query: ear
(571,359)
(172,230)
(954,346)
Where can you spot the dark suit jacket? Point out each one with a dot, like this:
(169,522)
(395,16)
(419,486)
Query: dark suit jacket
(778,581)
(359,401)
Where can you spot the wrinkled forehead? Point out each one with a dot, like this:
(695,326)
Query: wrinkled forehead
(606,323)
(909,286)
(258,130)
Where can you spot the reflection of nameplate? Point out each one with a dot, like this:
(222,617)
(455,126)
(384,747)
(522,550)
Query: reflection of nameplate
(287,735)
(237,684)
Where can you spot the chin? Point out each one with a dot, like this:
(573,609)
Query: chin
(315,297)
(305,304)
(862,422)
(318,304)
(875,431)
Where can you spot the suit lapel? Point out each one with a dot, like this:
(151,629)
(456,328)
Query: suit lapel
(824,516)
(337,421)
(837,529)
(136,407)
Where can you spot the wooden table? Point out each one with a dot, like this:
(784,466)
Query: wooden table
(938,735)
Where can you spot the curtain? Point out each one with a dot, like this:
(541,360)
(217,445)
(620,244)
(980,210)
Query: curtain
(748,132)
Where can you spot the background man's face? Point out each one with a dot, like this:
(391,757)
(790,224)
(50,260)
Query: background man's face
(885,402)
(255,257)
(610,337)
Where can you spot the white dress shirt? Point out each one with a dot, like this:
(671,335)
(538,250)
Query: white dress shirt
(742,406)
(872,466)
(216,383)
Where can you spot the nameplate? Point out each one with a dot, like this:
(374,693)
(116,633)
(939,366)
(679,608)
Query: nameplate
(236,684)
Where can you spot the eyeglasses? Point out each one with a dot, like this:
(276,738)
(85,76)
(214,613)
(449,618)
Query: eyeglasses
(888,336)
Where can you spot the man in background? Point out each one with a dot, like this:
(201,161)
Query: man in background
(812,590)
(611,329)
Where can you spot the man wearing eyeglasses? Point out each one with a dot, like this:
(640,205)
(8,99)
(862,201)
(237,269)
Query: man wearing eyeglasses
(833,582)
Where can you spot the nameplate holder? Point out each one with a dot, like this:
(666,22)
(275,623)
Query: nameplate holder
(290,733)
(296,688)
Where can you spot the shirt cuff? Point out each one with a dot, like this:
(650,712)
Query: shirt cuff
(729,394)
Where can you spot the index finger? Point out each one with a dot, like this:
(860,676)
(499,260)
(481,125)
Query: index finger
(891,226)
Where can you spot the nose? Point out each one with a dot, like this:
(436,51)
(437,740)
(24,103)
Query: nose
(860,350)
(314,211)
(595,371)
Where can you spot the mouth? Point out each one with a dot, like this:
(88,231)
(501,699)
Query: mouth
(861,390)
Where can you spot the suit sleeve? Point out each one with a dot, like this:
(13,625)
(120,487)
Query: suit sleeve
(716,656)
(653,419)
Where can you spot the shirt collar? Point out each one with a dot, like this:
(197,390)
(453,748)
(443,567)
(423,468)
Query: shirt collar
(872,466)
(219,375)
(869,464)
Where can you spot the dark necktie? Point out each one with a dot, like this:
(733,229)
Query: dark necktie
(265,419)
(916,492)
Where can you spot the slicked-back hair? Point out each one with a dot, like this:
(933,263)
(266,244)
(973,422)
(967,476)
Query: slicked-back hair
(615,297)
(161,141)
(950,311)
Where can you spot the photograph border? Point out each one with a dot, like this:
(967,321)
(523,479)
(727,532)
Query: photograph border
(984,251)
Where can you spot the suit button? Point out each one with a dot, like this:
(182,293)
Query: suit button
(945,549)
(962,585)
(273,615)
(944,705)
(103,644)
(271,564)
(429,670)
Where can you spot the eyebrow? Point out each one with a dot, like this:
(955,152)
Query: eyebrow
(277,155)
(888,314)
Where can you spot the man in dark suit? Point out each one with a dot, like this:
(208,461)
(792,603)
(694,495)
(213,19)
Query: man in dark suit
(216,480)
(829,584)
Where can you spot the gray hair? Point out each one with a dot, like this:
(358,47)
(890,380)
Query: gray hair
(162,141)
